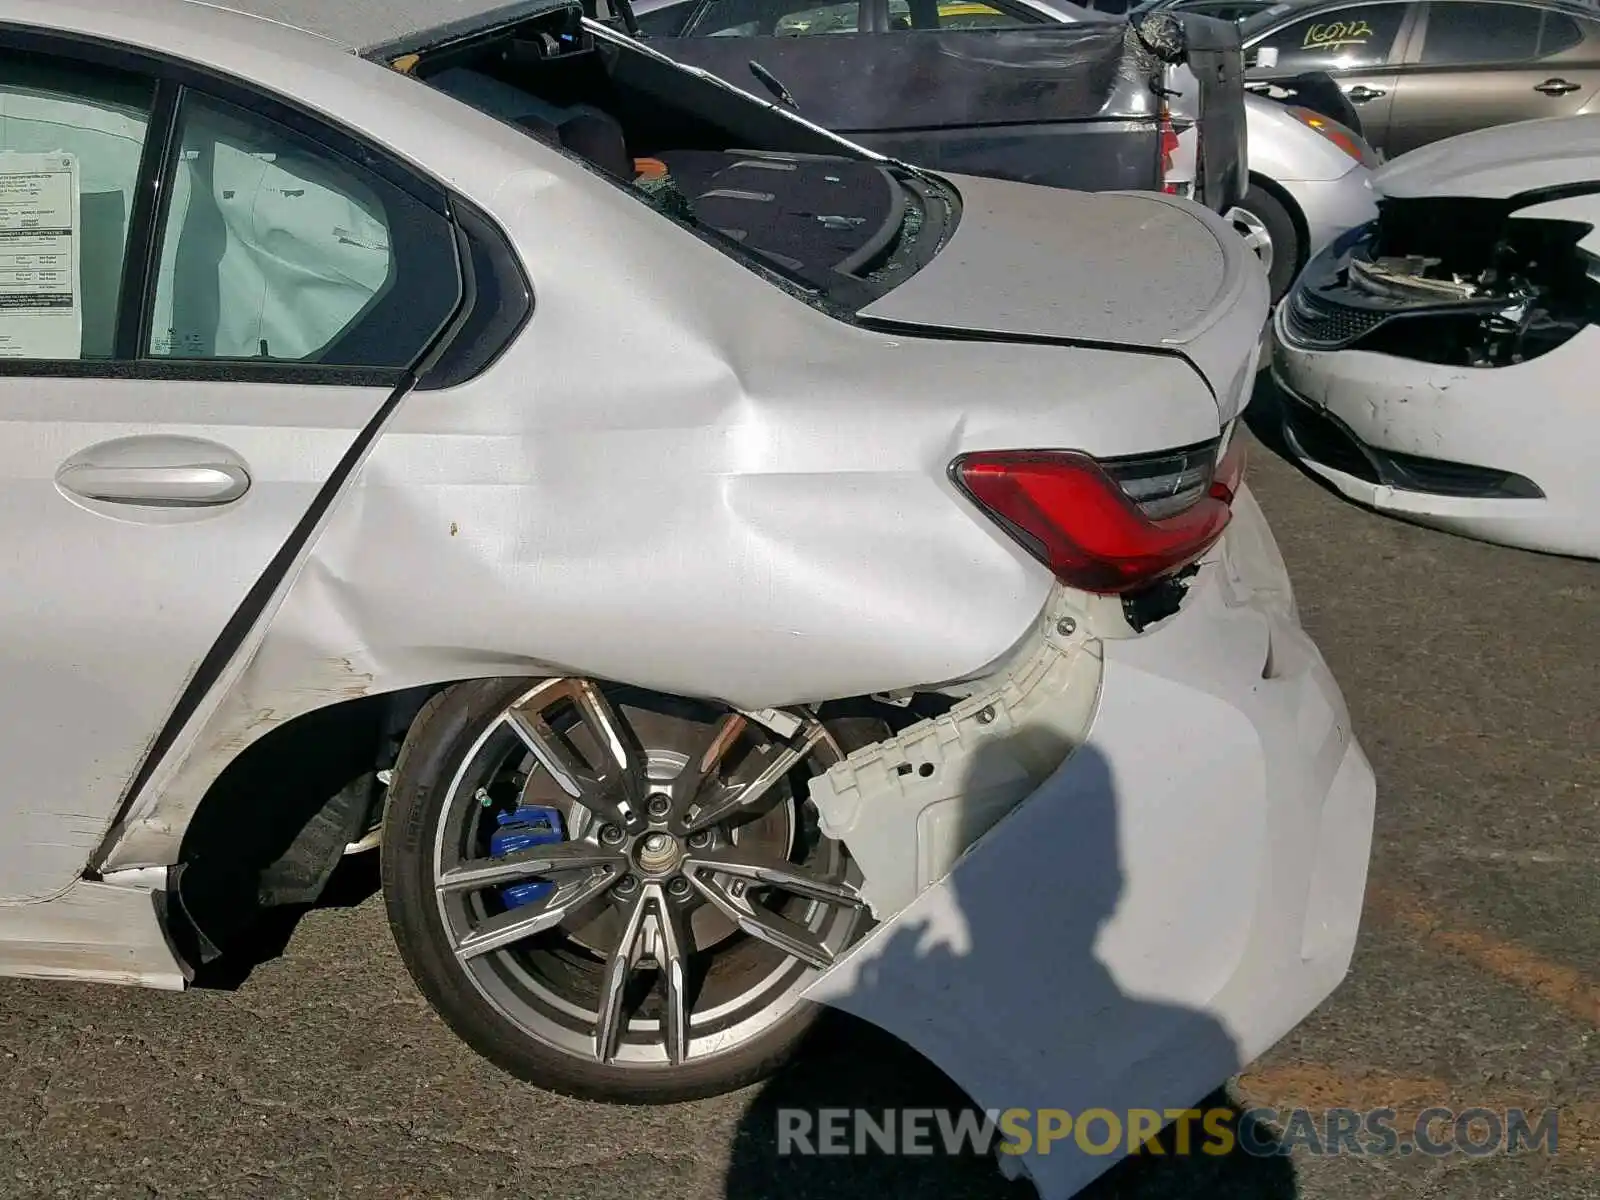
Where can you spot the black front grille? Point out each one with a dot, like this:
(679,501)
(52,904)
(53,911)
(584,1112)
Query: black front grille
(1318,323)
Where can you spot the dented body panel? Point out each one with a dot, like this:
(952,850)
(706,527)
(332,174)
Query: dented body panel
(783,468)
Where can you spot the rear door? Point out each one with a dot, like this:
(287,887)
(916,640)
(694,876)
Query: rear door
(968,86)
(1360,46)
(207,300)
(1477,63)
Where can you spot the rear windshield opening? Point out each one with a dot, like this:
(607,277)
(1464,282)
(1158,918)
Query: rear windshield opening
(773,192)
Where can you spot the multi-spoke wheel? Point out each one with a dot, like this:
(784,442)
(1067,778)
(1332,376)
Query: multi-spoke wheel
(615,893)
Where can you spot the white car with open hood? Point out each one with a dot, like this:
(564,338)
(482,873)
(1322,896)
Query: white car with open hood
(1438,363)
(723,570)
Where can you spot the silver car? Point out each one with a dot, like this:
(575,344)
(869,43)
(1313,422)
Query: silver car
(724,571)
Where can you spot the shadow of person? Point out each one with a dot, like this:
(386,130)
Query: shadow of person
(991,992)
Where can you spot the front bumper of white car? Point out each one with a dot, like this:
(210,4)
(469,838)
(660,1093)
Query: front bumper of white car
(1178,894)
(1484,452)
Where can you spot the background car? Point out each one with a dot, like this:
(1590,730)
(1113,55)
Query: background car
(1422,70)
(1409,352)
(997,88)
(1307,173)
(1309,183)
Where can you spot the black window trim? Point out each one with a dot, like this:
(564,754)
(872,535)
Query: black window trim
(171,77)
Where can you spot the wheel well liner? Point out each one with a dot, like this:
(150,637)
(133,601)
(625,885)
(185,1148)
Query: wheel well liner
(274,824)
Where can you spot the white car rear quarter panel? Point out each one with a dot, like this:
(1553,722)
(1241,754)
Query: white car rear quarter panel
(1175,898)
(679,475)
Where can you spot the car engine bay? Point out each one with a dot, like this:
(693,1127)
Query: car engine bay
(1459,282)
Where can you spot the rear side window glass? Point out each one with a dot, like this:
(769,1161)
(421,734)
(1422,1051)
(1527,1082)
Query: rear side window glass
(1560,33)
(71,140)
(1344,39)
(1480,33)
(274,247)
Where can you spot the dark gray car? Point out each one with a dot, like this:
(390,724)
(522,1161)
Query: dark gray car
(1422,70)
(1029,90)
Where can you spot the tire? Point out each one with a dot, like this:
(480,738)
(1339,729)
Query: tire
(1286,244)
(507,1004)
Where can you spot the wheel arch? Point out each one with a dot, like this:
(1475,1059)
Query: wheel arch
(271,827)
(1282,196)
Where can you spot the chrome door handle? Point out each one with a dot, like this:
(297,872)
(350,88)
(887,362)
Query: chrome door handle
(1361,93)
(158,487)
(155,471)
(1555,87)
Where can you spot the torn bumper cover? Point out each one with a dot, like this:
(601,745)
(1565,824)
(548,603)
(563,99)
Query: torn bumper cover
(1179,893)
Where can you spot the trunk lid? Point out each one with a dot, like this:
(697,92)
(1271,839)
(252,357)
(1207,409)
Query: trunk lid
(1134,270)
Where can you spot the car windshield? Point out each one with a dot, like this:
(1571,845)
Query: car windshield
(819,215)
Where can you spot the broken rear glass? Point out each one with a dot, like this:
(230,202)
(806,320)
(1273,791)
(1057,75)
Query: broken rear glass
(779,194)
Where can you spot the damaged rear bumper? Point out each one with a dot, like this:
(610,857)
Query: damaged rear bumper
(1173,899)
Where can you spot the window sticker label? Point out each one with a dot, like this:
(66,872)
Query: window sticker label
(41,311)
(1333,34)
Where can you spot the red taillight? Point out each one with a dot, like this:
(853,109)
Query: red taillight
(1169,147)
(1069,513)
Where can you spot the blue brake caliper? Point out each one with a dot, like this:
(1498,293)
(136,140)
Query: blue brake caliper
(529,826)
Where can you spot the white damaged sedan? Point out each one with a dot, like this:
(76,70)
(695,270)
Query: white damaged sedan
(1438,363)
(723,571)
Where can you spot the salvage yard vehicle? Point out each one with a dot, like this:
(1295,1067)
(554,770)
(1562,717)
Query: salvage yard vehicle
(706,552)
(1011,89)
(1423,70)
(1411,348)
(918,98)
